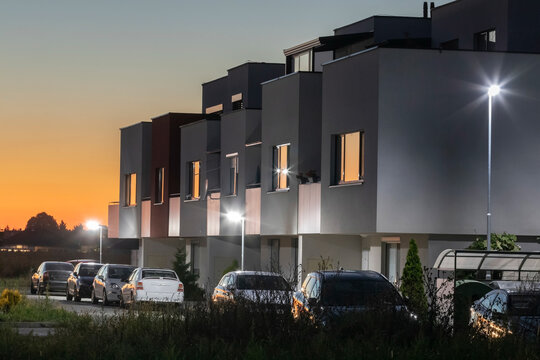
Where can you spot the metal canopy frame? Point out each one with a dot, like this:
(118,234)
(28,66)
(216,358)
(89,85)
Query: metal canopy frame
(478,260)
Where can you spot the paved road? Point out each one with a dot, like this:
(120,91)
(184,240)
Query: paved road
(82,307)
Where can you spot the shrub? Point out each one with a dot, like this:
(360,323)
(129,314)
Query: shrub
(412,281)
(499,242)
(9,299)
(192,291)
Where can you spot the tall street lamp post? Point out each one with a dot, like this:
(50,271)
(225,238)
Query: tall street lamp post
(94,225)
(236,217)
(493,90)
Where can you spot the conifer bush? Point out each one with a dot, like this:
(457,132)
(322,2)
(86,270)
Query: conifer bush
(412,281)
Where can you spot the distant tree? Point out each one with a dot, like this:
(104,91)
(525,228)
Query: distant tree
(40,222)
(412,281)
(62,227)
(77,228)
(499,242)
(192,291)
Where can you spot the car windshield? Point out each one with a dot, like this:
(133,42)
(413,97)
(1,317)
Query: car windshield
(59,266)
(525,305)
(345,291)
(262,282)
(146,274)
(89,270)
(120,272)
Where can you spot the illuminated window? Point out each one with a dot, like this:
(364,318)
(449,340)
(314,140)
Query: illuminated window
(160,185)
(349,161)
(194,192)
(233,173)
(485,40)
(281,167)
(302,61)
(131,190)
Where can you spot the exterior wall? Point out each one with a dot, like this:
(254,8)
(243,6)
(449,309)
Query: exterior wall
(337,251)
(287,263)
(389,27)
(160,252)
(146,209)
(135,157)
(193,148)
(253,211)
(174,216)
(112,220)
(430,183)
(309,212)
(350,98)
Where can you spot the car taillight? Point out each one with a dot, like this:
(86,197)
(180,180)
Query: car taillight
(140,285)
(45,276)
(180,287)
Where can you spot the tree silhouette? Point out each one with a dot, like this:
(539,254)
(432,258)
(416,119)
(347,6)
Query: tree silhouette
(40,222)
(192,291)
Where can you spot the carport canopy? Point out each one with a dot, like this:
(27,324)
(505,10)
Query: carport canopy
(452,260)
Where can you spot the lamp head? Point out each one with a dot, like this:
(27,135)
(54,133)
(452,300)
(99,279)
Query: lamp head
(494,90)
(234,216)
(92,225)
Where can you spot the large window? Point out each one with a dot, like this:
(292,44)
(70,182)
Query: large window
(194,191)
(281,167)
(233,173)
(160,185)
(349,161)
(303,61)
(485,40)
(130,190)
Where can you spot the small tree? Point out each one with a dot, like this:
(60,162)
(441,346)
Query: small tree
(499,242)
(412,281)
(192,291)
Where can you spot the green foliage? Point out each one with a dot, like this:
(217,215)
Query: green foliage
(192,291)
(233,267)
(9,299)
(499,242)
(412,281)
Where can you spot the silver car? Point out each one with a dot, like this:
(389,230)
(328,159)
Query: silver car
(108,283)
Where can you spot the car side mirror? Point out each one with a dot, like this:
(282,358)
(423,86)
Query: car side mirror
(100,277)
(75,274)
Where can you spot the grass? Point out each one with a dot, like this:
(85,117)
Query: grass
(42,310)
(21,283)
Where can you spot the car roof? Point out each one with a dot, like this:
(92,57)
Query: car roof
(90,264)
(121,265)
(261,273)
(159,269)
(352,274)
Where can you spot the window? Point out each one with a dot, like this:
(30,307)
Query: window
(160,185)
(237,102)
(302,61)
(233,173)
(485,40)
(281,167)
(130,190)
(194,191)
(349,158)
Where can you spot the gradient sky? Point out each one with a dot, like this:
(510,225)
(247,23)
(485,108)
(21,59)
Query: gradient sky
(73,72)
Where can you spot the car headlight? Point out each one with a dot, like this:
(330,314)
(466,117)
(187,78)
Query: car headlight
(115,286)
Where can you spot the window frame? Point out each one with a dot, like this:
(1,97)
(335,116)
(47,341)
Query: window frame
(277,167)
(233,180)
(478,41)
(159,186)
(191,181)
(340,158)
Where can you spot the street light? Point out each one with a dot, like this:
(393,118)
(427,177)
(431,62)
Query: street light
(493,90)
(236,217)
(94,225)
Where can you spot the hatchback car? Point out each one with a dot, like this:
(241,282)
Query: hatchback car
(254,287)
(50,275)
(79,282)
(506,311)
(108,282)
(327,295)
(152,285)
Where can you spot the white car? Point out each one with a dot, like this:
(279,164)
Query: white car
(152,285)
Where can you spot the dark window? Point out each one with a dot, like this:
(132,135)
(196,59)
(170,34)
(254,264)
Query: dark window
(119,272)
(485,40)
(233,173)
(262,282)
(281,167)
(349,157)
(524,305)
(89,270)
(160,185)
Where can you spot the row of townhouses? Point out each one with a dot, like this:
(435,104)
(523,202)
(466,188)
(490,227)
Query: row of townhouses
(358,142)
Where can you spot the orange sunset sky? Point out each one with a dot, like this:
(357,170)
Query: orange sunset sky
(73,72)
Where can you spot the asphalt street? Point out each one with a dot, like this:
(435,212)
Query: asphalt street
(85,306)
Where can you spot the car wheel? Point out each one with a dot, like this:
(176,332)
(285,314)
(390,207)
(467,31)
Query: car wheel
(76,295)
(93,297)
(68,296)
(32,289)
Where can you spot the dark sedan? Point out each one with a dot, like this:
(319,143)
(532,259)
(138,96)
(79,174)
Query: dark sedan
(79,283)
(51,276)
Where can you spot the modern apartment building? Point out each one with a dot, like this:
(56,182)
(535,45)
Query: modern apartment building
(361,141)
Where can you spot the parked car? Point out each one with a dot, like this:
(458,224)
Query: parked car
(152,285)
(108,282)
(264,288)
(327,295)
(77,261)
(508,310)
(79,282)
(51,275)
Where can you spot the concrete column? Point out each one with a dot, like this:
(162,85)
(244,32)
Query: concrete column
(299,269)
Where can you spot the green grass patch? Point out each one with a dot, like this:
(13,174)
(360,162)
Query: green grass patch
(21,283)
(37,310)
